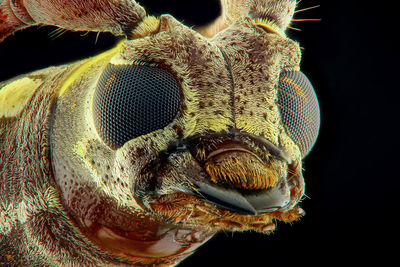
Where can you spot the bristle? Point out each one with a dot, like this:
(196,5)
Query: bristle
(85,33)
(293,28)
(97,37)
(57,33)
(306,20)
(307,8)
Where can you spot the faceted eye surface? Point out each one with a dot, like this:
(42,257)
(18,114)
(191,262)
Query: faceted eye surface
(131,101)
(299,109)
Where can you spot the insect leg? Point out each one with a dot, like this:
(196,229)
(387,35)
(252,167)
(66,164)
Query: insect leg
(12,18)
(116,16)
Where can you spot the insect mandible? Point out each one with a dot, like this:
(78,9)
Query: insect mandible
(139,155)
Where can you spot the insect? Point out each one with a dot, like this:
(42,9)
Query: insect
(139,155)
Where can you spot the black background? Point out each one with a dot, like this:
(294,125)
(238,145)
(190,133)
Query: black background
(352,175)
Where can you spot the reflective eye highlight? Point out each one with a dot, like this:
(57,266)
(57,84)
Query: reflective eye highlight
(131,101)
(299,109)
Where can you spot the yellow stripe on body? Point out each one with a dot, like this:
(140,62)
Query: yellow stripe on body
(15,95)
(269,25)
(85,66)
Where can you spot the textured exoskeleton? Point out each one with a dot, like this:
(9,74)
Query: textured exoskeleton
(139,155)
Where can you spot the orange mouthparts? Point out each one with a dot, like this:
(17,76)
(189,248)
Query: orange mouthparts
(241,170)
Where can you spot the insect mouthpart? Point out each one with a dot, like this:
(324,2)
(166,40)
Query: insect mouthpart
(235,173)
(245,183)
(240,168)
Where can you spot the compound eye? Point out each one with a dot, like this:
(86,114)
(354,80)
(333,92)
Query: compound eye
(299,109)
(131,101)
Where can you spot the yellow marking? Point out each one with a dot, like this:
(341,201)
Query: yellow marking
(118,60)
(80,149)
(269,25)
(149,25)
(15,95)
(85,66)
(298,88)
